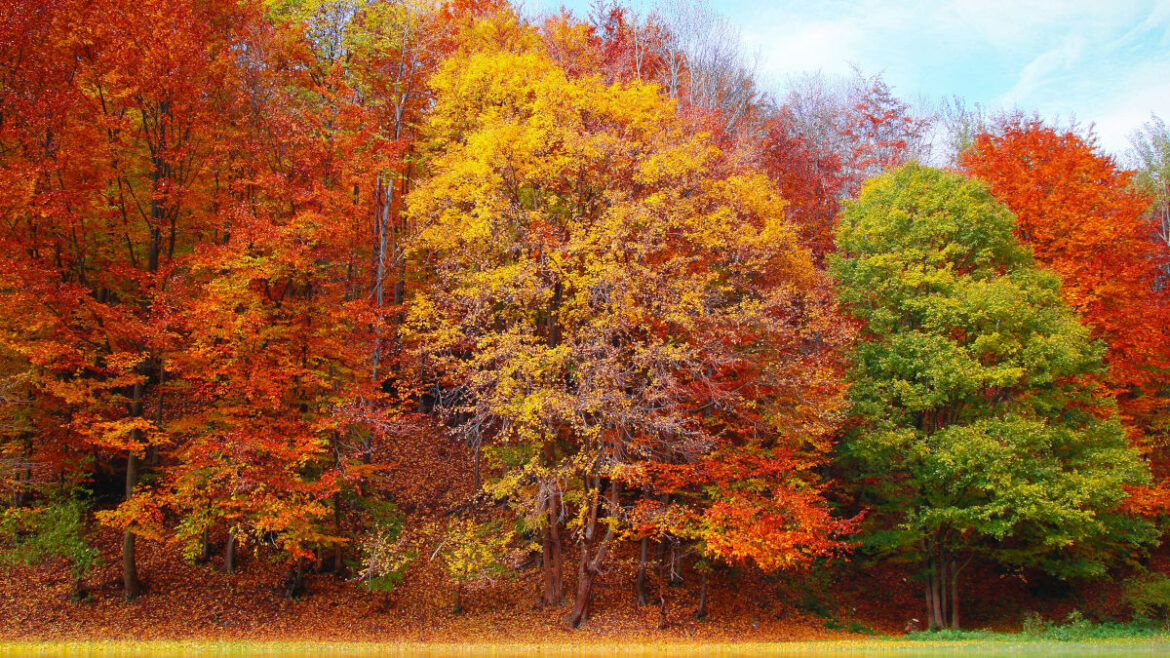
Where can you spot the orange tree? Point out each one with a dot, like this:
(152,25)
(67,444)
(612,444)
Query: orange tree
(1083,218)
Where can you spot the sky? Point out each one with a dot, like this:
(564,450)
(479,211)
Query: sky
(1100,62)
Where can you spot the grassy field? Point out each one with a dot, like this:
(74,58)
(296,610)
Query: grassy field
(982,645)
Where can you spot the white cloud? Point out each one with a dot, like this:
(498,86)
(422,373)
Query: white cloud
(1106,62)
(1040,71)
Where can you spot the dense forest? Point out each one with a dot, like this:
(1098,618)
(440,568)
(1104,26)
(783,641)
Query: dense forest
(260,255)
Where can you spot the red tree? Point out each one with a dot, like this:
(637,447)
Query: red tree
(1083,218)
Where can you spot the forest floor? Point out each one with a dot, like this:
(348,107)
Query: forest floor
(182,601)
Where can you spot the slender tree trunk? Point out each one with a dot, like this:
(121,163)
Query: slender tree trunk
(933,600)
(478,466)
(204,547)
(79,591)
(338,563)
(939,602)
(701,613)
(663,582)
(585,577)
(926,587)
(954,596)
(229,554)
(640,590)
(294,581)
(130,583)
(458,610)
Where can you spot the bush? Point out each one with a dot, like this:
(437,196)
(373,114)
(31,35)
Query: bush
(386,551)
(57,530)
(1149,597)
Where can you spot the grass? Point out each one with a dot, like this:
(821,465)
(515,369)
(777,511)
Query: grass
(1075,628)
(1076,637)
(948,643)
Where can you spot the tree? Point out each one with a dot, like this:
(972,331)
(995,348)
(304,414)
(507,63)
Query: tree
(604,290)
(474,554)
(809,178)
(122,112)
(1082,217)
(978,427)
(830,135)
(1150,157)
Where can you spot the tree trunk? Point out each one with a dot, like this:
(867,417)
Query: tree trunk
(590,566)
(942,590)
(585,577)
(338,563)
(552,564)
(954,596)
(640,590)
(458,609)
(294,581)
(701,613)
(229,554)
(130,583)
(926,588)
(79,592)
(204,548)
(663,581)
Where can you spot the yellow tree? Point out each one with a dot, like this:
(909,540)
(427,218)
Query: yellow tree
(605,292)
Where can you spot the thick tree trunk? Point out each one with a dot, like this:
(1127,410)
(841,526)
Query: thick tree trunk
(585,577)
(640,589)
(553,564)
(294,581)
(593,551)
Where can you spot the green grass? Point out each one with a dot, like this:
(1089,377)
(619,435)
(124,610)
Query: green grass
(957,644)
(1074,629)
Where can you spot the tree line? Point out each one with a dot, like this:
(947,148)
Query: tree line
(248,245)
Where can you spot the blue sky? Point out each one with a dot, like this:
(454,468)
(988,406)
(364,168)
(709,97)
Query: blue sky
(1105,62)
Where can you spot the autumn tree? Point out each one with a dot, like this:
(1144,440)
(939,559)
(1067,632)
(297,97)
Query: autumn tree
(1150,157)
(1081,216)
(978,429)
(606,292)
(828,136)
(123,111)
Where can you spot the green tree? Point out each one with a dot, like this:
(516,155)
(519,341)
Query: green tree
(979,426)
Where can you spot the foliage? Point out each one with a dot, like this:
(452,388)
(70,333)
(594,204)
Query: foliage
(1149,596)
(386,554)
(1084,219)
(254,249)
(609,295)
(475,554)
(56,530)
(978,427)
